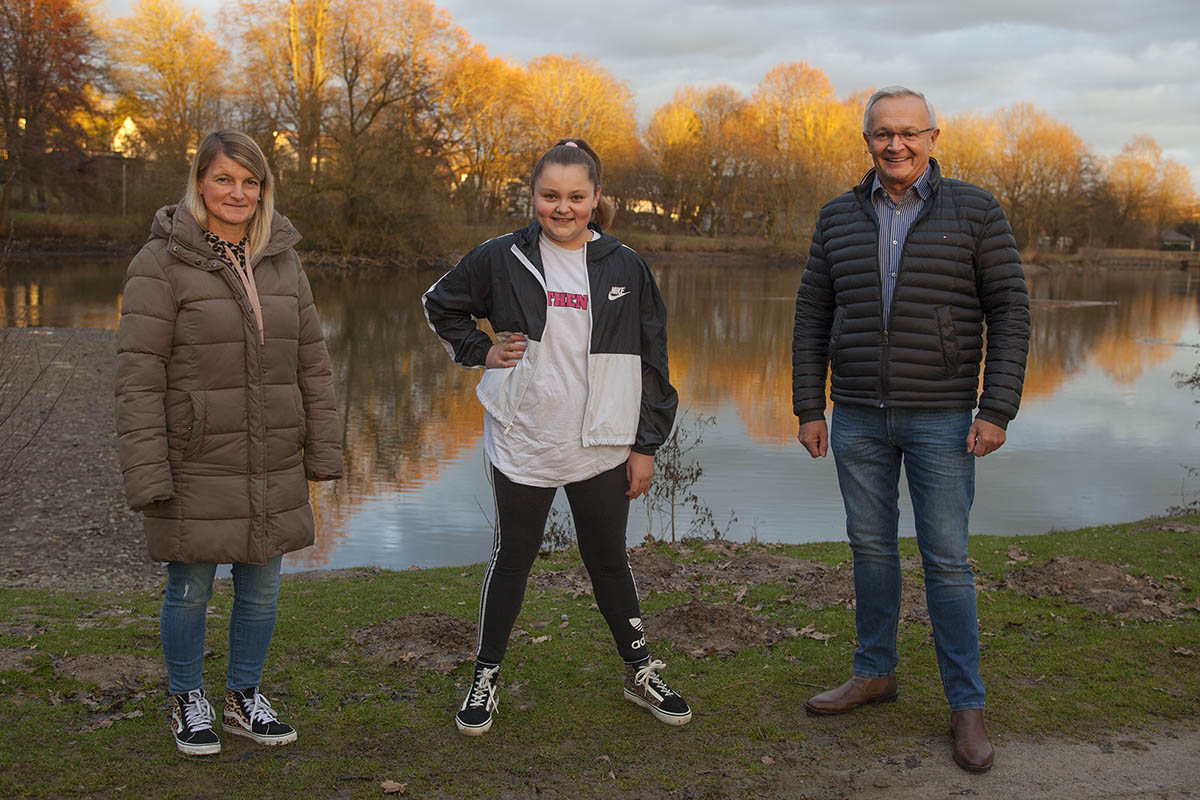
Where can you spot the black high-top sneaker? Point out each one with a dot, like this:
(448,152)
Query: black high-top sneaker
(474,718)
(191,722)
(248,713)
(644,687)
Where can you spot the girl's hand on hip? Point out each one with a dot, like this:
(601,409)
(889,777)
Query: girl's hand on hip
(639,471)
(506,352)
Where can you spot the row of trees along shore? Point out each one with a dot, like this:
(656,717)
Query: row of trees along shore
(389,129)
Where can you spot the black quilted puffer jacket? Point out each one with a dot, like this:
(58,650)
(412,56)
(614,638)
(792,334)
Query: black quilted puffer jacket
(959,268)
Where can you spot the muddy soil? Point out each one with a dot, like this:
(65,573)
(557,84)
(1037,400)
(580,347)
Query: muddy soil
(427,639)
(703,629)
(1099,587)
(111,672)
(813,584)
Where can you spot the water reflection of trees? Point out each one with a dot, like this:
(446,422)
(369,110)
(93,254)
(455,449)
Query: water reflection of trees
(76,294)
(731,330)
(408,411)
(1123,322)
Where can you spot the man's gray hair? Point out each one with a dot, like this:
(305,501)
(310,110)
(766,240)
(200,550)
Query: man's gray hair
(897,91)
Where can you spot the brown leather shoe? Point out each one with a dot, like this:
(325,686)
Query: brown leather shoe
(972,750)
(853,693)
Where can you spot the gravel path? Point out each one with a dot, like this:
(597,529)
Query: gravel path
(63,517)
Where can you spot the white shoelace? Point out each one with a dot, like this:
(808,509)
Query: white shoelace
(647,675)
(198,713)
(261,710)
(483,692)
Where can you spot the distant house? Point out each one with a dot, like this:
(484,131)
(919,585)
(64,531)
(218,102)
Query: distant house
(1174,240)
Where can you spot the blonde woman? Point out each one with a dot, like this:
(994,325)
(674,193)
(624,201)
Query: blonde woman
(225,410)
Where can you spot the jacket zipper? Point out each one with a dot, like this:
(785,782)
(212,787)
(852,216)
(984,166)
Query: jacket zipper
(884,322)
(588,395)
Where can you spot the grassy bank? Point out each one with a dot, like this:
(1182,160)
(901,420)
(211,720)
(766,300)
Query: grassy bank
(108,231)
(105,231)
(367,665)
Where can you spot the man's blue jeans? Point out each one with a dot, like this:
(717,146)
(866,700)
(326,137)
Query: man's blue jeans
(869,444)
(251,623)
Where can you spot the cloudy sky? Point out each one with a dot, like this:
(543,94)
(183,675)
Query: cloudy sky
(1109,69)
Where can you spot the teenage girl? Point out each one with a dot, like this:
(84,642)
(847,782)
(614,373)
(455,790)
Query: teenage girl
(577,395)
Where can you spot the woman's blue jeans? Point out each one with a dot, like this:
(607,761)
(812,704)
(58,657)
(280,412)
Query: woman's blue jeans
(251,623)
(869,445)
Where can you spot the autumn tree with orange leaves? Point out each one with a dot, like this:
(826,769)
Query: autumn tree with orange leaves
(171,70)
(387,127)
(700,147)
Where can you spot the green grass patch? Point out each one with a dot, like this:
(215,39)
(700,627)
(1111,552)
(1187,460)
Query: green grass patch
(1052,668)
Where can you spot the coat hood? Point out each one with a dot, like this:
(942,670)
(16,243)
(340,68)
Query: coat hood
(175,224)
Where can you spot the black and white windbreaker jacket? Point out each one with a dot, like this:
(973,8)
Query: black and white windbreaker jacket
(630,398)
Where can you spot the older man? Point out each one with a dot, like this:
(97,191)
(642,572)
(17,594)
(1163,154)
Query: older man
(903,272)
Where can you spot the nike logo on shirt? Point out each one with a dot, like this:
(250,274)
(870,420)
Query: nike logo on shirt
(617,292)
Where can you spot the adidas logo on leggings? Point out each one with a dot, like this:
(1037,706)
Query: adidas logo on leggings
(639,643)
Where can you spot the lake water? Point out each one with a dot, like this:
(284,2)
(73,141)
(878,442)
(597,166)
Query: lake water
(1102,435)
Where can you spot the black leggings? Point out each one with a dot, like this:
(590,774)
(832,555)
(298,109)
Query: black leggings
(601,510)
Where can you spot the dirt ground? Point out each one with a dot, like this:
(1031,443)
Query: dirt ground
(63,515)
(65,526)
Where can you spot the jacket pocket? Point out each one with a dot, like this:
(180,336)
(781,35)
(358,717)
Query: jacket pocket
(301,420)
(835,334)
(195,429)
(500,390)
(948,340)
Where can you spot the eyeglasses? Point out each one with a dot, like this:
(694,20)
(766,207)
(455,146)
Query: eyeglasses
(885,137)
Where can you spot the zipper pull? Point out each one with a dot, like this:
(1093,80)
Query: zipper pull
(885,337)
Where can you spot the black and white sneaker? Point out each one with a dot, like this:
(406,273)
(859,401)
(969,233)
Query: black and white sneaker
(248,713)
(474,718)
(191,722)
(644,687)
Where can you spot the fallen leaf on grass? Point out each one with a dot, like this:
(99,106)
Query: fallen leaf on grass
(604,758)
(768,760)
(741,595)
(391,787)
(811,632)
(1183,651)
(108,721)
(1016,553)
(540,639)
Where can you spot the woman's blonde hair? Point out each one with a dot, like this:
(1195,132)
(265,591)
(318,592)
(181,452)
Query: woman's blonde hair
(245,151)
(576,151)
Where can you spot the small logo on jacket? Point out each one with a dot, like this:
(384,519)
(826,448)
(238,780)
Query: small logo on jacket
(617,292)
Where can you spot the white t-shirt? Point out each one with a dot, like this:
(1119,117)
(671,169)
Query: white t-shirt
(544,444)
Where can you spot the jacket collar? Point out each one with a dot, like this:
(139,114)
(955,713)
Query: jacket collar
(185,237)
(934,180)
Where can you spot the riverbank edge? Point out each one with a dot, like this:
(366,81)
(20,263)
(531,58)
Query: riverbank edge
(659,246)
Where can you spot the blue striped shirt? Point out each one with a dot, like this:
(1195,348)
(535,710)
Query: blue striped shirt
(895,219)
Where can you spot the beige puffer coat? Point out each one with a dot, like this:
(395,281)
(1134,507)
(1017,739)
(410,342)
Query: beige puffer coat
(216,432)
